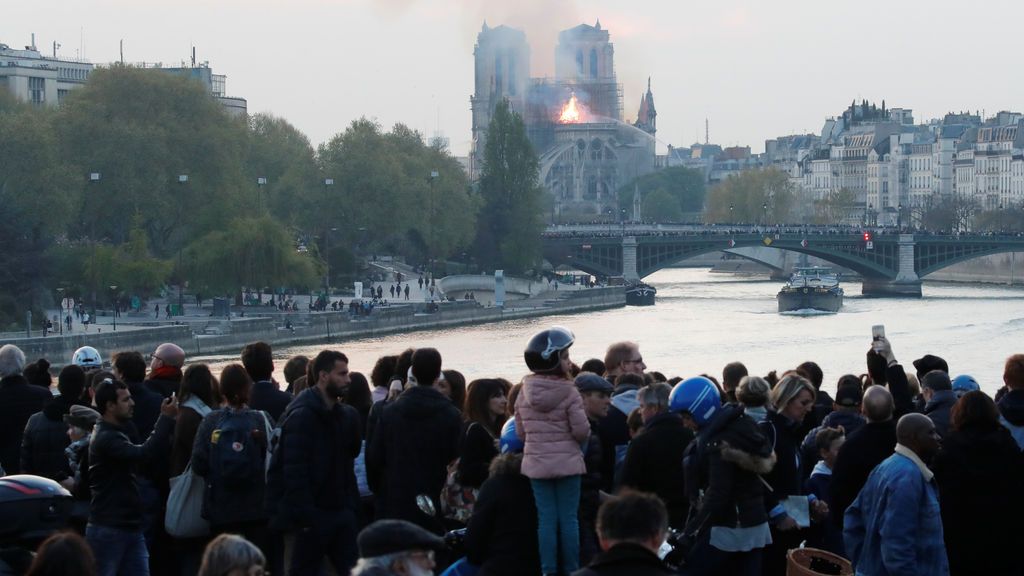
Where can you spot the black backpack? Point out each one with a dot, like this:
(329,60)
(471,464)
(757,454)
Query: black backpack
(238,449)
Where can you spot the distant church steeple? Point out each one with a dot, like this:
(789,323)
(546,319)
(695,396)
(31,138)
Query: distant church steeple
(647,116)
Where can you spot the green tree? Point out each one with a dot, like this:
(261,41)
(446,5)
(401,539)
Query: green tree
(283,155)
(253,252)
(661,206)
(508,235)
(385,197)
(685,186)
(753,197)
(140,129)
(837,206)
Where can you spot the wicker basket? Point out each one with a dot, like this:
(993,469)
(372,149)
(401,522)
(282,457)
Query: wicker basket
(800,560)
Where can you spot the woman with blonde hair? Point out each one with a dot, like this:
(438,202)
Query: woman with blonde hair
(790,400)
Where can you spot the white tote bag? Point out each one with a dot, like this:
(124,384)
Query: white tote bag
(184,518)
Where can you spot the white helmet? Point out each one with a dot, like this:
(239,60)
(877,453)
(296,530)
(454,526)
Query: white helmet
(87,357)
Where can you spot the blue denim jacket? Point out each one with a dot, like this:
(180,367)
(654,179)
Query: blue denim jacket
(894,526)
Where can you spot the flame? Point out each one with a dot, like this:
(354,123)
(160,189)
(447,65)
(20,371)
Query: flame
(572,112)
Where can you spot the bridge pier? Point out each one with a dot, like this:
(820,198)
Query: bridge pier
(629,269)
(906,283)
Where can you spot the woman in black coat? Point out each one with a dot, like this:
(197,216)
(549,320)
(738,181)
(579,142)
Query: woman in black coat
(502,534)
(979,472)
(791,400)
(486,407)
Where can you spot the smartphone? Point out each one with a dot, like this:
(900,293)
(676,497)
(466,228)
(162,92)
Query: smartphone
(877,332)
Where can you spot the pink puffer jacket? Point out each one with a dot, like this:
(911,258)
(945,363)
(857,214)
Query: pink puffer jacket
(551,420)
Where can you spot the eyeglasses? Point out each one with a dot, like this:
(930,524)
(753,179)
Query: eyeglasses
(633,361)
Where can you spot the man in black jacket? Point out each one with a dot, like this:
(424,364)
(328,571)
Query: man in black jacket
(416,438)
(46,434)
(311,486)
(863,450)
(596,393)
(938,393)
(258,360)
(632,527)
(130,368)
(116,513)
(654,459)
(19,400)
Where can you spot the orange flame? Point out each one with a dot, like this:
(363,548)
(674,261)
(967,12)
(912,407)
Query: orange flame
(571,113)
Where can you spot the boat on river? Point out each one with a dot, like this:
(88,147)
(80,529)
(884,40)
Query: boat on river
(640,294)
(811,288)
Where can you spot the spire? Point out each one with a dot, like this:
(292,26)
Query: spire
(598,25)
(485,28)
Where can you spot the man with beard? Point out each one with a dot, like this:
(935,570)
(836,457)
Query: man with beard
(312,493)
(116,513)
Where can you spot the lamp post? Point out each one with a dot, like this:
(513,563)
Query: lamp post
(183,180)
(899,217)
(434,174)
(327,260)
(60,304)
(732,207)
(260,183)
(765,208)
(113,300)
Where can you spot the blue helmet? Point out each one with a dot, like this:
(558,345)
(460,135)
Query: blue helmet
(510,441)
(963,384)
(697,396)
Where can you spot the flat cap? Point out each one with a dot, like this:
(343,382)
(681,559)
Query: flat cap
(390,536)
(590,382)
(82,416)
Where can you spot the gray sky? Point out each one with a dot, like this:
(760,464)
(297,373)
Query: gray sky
(756,69)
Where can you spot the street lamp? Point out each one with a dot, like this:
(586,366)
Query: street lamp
(113,300)
(182,179)
(434,174)
(732,207)
(899,217)
(260,183)
(765,208)
(60,304)
(327,260)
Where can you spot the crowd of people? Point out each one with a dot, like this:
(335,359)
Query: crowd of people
(576,469)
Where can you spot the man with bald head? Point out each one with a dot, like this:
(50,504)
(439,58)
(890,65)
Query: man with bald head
(894,526)
(165,369)
(863,450)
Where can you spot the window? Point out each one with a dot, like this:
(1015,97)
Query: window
(37,91)
(593,63)
(579,62)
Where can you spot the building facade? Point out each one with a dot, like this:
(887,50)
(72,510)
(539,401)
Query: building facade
(40,80)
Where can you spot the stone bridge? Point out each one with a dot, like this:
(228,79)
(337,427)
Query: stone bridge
(891,263)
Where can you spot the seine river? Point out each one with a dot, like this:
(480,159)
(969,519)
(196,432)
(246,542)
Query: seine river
(704,320)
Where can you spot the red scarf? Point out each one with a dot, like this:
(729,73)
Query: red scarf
(166,373)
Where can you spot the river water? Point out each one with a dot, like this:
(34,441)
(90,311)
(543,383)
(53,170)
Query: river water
(703,320)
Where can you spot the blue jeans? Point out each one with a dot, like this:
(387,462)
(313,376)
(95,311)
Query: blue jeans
(558,529)
(118,551)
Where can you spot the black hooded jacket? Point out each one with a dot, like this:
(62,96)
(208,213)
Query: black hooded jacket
(654,463)
(312,474)
(415,439)
(501,537)
(979,473)
(19,400)
(46,437)
(727,461)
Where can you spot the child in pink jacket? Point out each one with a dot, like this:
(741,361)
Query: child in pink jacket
(551,420)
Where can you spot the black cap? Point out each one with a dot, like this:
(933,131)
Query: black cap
(927,363)
(849,396)
(590,382)
(390,536)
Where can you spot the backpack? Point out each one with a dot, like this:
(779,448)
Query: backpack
(237,455)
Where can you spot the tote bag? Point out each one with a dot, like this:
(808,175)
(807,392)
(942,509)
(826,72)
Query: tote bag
(184,518)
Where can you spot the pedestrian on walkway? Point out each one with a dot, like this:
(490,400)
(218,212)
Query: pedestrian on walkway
(406,291)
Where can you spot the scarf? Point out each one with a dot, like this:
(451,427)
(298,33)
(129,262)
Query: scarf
(172,373)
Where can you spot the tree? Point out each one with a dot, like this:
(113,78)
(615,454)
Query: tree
(251,252)
(385,197)
(508,235)
(837,206)
(685,187)
(139,130)
(952,213)
(283,155)
(764,197)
